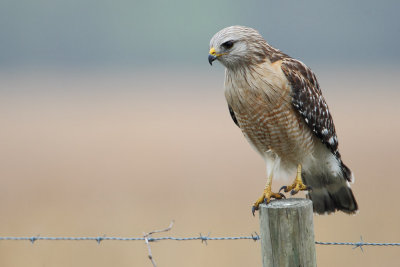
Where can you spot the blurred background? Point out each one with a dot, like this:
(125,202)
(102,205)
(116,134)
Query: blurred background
(114,123)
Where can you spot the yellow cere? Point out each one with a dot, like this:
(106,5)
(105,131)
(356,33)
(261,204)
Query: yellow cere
(212,51)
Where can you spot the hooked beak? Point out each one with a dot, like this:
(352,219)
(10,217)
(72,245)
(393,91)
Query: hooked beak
(212,55)
(211,58)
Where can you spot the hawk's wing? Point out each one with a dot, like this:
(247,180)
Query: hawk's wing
(307,99)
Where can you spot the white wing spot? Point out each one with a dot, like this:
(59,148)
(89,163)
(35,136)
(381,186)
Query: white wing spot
(331,140)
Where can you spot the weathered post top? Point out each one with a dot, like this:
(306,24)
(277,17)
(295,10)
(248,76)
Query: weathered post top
(287,233)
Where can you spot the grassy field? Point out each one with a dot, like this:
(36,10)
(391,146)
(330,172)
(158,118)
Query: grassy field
(120,154)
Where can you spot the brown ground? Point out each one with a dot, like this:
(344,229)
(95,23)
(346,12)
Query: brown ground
(87,155)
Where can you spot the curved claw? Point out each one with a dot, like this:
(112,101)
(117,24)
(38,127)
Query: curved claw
(282,195)
(296,190)
(253,210)
(283,187)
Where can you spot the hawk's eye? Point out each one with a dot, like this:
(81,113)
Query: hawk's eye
(227,44)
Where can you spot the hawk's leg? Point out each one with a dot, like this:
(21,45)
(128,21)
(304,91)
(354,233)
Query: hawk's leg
(297,184)
(267,195)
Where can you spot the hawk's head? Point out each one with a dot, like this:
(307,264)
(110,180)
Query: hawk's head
(237,45)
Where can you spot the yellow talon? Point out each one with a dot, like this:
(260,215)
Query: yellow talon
(297,185)
(266,196)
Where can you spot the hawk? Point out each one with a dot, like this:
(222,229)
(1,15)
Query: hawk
(277,103)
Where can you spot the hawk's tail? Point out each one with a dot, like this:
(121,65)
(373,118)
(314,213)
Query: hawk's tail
(331,197)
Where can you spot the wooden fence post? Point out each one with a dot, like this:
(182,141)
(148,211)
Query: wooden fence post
(287,233)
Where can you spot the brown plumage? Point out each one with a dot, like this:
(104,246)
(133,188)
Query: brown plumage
(277,103)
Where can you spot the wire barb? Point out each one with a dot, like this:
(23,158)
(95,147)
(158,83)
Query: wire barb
(100,238)
(360,244)
(255,236)
(34,238)
(205,238)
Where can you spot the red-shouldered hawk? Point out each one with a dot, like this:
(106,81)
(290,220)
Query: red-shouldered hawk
(277,103)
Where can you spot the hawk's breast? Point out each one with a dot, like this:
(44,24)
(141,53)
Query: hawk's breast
(265,115)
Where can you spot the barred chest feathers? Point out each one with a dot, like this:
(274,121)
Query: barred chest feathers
(260,98)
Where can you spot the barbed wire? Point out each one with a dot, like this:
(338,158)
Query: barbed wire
(254,237)
(148,238)
(356,244)
(103,238)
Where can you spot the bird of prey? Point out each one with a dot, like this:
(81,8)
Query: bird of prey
(277,103)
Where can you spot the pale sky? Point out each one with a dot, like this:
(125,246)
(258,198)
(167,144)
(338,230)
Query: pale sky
(134,33)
